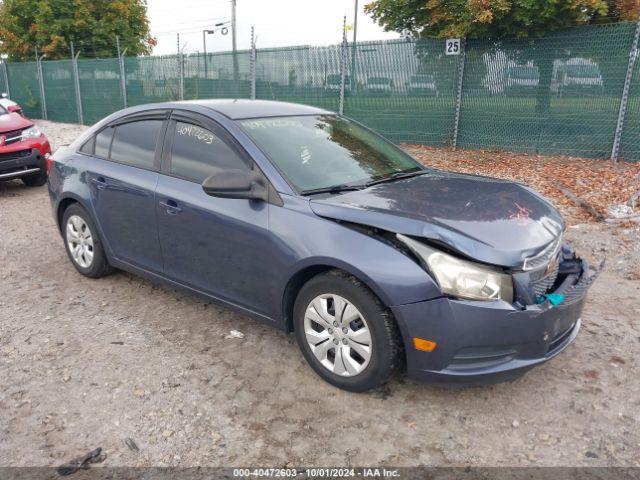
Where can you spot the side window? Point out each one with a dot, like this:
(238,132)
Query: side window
(103,142)
(197,153)
(134,143)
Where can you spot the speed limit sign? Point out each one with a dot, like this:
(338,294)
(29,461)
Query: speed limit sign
(452,46)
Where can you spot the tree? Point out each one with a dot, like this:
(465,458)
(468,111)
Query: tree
(495,18)
(92,25)
(501,19)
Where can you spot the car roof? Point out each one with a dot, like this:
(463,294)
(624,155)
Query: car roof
(237,109)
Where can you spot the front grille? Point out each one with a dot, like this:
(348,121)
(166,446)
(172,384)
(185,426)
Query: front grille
(545,281)
(15,155)
(12,137)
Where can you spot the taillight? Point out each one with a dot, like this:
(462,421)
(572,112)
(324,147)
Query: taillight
(48,162)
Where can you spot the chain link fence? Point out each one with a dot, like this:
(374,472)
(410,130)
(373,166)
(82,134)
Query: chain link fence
(560,94)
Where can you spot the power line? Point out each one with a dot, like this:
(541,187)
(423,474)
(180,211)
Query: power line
(204,20)
(195,28)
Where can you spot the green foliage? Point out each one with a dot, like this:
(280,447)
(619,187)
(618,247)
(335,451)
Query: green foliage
(495,18)
(92,25)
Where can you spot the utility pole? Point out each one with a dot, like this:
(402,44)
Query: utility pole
(253,64)
(234,44)
(204,48)
(353,47)
(233,26)
(180,74)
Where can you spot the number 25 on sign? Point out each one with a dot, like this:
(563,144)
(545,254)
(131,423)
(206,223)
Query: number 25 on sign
(452,46)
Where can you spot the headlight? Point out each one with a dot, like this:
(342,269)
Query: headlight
(31,132)
(461,278)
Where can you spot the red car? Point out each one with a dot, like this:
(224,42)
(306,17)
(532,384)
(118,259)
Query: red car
(24,150)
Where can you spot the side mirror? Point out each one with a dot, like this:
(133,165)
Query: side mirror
(14,108)
(236,183)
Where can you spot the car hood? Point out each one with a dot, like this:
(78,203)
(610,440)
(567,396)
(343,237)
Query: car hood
(13,121)
(493,221)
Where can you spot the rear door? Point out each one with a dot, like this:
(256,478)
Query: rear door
(123,187)
(215,245)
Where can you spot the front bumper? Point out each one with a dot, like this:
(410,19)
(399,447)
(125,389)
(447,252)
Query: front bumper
(23,158)
(488,342)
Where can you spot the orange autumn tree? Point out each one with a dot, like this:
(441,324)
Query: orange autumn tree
(92,25)
(495,18)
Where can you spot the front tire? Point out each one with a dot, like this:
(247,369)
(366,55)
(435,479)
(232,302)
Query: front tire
(345,333)
(83,244)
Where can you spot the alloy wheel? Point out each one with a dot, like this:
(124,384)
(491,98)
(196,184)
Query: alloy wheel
(80,241)
(338,335)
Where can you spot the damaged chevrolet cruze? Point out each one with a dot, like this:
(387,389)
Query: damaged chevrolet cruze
(310,222)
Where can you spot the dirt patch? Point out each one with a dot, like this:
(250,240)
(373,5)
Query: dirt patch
(97,363)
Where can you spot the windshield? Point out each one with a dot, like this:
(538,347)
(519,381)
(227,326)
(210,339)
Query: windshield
(3,111)
(326,150)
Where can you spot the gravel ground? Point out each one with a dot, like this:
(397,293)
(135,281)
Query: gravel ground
(87,363)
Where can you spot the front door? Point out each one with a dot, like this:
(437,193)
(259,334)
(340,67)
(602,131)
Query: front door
(215,245)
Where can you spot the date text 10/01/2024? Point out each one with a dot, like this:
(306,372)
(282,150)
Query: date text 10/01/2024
(316,472)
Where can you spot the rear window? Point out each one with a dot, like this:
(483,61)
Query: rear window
(134,143)
(103,142)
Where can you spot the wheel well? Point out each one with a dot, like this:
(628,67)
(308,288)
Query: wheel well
(293,288)
(297,282)
(64,204)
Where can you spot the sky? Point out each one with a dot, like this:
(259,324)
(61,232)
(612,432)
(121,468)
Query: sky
(277,23)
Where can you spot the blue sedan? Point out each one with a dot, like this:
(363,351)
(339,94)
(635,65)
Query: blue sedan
(310,222)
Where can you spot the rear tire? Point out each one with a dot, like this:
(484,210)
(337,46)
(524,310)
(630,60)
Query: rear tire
(345,333)
(36,180)
(83,244)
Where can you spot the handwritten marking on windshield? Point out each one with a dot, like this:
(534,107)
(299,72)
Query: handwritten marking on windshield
(276,122)
(305,155)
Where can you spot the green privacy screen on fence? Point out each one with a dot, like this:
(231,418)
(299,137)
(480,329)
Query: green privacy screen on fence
(60,91)
(554,95)
(25,87)
(630,145)
(404,89)
(299,74)
(560,94)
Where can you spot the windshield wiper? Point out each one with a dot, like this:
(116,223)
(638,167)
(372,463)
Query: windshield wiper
(332,189)
(396,176)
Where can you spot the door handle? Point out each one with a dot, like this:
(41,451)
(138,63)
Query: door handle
(100,183)
(171,206)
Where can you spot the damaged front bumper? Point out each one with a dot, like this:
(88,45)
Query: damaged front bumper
(486,342)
